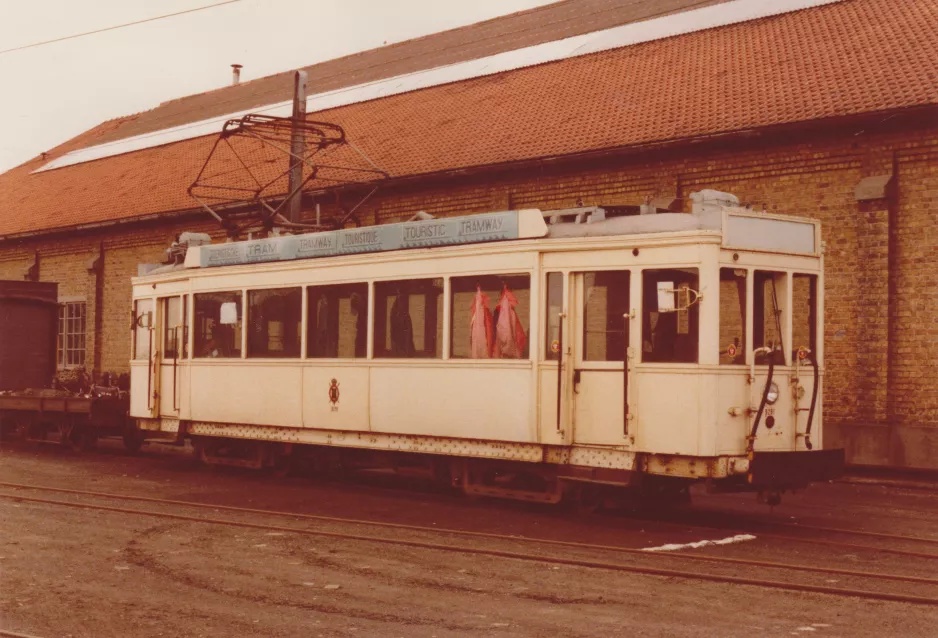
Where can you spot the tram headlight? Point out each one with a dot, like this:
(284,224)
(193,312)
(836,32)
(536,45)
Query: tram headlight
(772,395)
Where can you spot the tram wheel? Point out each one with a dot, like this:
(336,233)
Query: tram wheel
(133,441)
(82,439)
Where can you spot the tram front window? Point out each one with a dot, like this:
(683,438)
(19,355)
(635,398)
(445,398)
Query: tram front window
(274,321)
(767,313)
(409,319)
(803,313)
(490,316)
(218,323)
(670,323)
(732,316)
(338,321)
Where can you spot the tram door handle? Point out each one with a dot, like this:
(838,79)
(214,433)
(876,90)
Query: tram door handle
(576,381)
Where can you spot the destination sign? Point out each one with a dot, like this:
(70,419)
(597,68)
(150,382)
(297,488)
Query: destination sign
(420,234)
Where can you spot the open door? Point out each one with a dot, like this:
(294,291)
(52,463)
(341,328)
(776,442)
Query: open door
(601,342)
(144,377)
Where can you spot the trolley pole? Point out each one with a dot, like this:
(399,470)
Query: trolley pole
(297,146)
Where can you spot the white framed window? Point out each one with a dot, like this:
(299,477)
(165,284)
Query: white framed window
(70,350)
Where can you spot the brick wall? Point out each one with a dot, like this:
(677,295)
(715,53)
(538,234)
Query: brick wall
(881,336)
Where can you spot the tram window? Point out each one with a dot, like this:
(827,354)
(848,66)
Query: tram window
(175,328)
(803,313)
(490,316)
(767,315)
(218,324)
(337,321)
(409,319)
(554,308)
(670,333)
(143,323)
(732,316)
(605,315)
(274,322)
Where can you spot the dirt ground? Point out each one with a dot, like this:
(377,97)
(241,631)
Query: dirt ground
(73,572)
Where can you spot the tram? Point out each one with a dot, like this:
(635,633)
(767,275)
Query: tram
(523,354)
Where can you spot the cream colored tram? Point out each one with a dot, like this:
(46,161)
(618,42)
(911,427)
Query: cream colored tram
(518,354)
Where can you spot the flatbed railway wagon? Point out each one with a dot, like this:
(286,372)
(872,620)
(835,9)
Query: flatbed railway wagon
(521,354)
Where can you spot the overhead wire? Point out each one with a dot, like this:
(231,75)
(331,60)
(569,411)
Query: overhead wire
(117,26)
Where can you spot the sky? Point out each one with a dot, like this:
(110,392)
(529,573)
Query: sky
(51,93)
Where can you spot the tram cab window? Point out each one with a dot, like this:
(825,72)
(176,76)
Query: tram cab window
(337,322)
(605,315)
(670,322)
(175,328)
(803,313)
(767,315)
(218,324)
(274,322)
(143,324)
(490,316)
(408,321)
(554,308)
(732,316)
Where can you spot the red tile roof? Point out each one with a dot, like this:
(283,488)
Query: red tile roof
(847,58)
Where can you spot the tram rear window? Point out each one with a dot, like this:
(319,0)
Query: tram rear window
(408,320)
(143,324)
(803,313)
(491,314)
(337,321)
(274,322)
(732,316)
(175,328)
(670,315)
(218,324)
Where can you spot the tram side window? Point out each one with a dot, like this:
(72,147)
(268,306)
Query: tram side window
(767,315)
(143,324)
(490,314)
(605,315)
(337,321)
(554,308)
(732,316)
(218,324)
(274,322)
(670,324)
(409,319)
(175,328)
(803,313)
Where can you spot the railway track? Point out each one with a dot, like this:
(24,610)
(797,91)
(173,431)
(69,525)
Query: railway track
(524,556)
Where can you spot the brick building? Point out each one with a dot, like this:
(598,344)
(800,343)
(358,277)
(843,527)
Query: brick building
(830,111)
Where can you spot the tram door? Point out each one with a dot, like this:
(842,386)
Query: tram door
(602,306)
(171,353)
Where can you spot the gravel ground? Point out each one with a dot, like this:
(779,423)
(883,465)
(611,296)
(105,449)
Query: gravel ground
(73,572)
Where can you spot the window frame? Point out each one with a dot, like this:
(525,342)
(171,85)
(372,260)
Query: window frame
(64,323)
(196,329)
(308,317)
(450,311)
(440,334)
(645,332)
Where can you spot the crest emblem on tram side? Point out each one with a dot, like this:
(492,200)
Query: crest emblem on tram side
(334,394)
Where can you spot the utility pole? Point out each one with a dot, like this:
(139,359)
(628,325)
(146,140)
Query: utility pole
(297,145)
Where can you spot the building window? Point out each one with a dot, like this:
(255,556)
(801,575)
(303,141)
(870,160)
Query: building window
(338,321)
(71,342)
(218,323)
(490,316)
(409,319)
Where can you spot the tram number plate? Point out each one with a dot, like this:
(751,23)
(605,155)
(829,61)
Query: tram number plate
(769,411)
